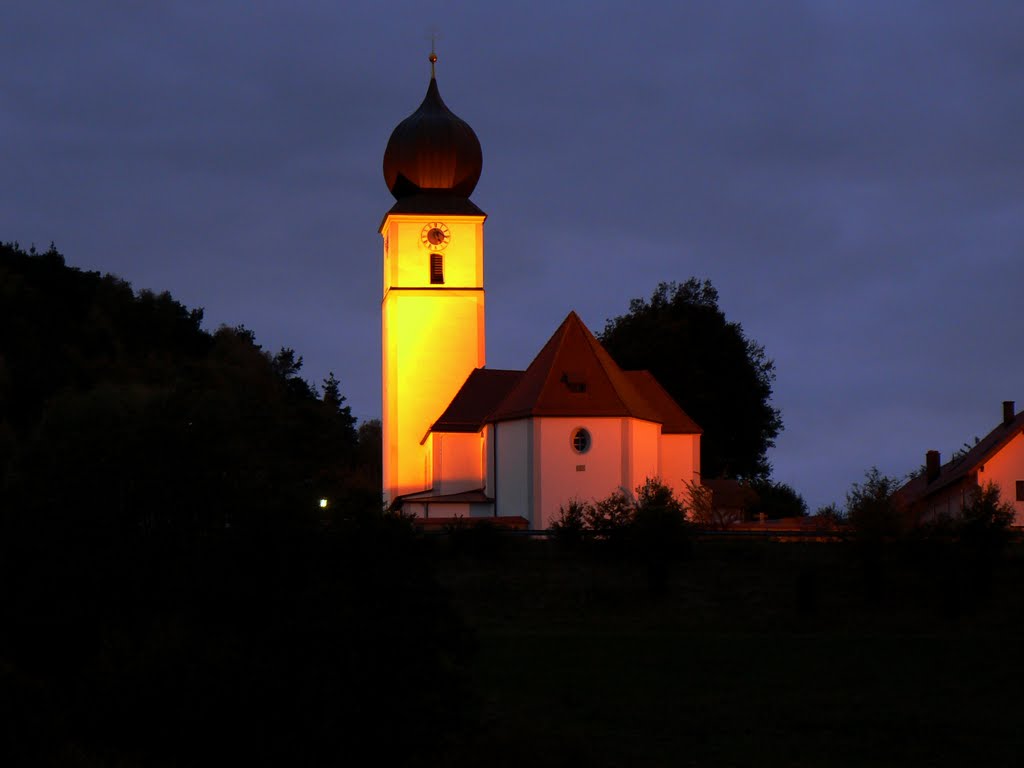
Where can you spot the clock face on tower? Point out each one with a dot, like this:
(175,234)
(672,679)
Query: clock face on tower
(435,236)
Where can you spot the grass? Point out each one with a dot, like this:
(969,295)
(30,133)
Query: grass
(758,653)
(483,650)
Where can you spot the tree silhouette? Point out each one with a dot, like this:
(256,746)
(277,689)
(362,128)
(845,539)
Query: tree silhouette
(119,410)
(776,500)
(720,377)
(172,594)
(871,508)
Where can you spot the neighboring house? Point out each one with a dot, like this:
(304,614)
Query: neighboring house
(460,439)
(730,500)
(944,489)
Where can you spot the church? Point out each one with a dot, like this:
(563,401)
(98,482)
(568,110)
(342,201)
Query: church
(464,440)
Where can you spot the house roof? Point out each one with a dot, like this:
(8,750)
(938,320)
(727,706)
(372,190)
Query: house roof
(729,493)
(572,375)
(476,400)
(463,497)
(963,467)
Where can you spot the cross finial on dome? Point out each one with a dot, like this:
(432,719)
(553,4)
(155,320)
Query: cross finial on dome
(433,55)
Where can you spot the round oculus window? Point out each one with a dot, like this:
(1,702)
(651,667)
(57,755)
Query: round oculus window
(580,440)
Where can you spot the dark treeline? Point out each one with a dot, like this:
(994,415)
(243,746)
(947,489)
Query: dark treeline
(118,409)
(171,591)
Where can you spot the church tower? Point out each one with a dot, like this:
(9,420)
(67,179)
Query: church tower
(432,313)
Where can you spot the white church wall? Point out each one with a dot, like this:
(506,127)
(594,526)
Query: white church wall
(488,460)
(512,485)
(644,451)
(680,462)
(565,474)
(458,462)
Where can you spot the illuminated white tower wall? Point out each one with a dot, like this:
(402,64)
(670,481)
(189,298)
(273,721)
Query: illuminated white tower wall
(432,312)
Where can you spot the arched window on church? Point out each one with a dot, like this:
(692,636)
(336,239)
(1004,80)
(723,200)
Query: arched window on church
(436,269)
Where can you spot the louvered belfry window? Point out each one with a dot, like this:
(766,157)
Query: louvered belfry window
(436,269)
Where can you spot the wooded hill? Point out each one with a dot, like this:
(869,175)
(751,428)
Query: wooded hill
(118,409)
(170,591)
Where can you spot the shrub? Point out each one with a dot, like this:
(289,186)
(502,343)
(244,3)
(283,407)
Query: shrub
(870,508)
(610,517)
(655,496)
(700,506)
(872,514)
(568,527)
(660,532)
(830,517)
(659,522)
(985,521)
(775,500)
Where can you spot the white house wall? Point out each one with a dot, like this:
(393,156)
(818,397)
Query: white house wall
(1005,469)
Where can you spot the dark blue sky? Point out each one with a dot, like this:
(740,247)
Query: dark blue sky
(847,174)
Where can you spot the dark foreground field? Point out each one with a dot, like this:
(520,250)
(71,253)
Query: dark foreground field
(755,654)
(372,647)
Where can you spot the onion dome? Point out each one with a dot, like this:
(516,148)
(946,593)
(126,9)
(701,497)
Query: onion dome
(432,151)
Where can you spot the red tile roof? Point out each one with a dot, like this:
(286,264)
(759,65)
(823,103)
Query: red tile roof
(426,202)
(463,497)
(674,420)
(476,400)
(729,493)
(572,375)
